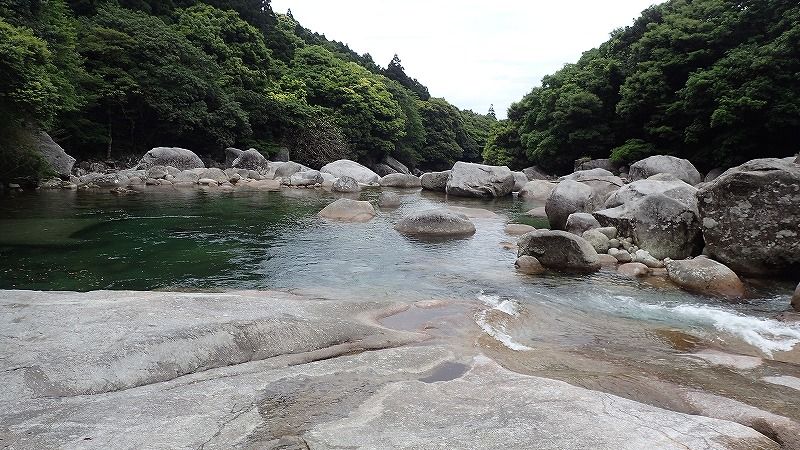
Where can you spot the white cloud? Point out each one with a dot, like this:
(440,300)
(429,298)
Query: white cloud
(473,53)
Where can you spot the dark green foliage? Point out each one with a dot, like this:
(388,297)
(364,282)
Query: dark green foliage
(395,71)
(709,80)
(477,128)
(445,134)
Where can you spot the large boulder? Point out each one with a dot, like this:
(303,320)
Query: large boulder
(306,178)
(396,165)
(681,168)
(352,169)
(520,180)
(251,159)
(537,190)
(383,170)
(586,193)
(751,217)
(56,157)
(435,181)
(435,223)
(215,174)
(559,250)
(179,158)
(577,223)
(479,180)
(345,185)
(665,227)
(669,186)
(603,163)
(400,180)
(231,154)
(705,276)
(534,173)
(347,210)
(286,169)
(596,172)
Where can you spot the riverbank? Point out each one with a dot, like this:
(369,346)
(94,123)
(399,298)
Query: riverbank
(336,373)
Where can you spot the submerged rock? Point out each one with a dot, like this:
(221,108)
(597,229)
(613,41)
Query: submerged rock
(347,210)
(435,181)
(389,200)
(559,250)
(179,158)
(436,223)
(705,276)
(634,270)
(681,168)
(751,218)
(529,265)
(479,180)
(352,169)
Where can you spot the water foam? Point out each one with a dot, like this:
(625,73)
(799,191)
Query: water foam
(498,332)
(493,301)
(768,335)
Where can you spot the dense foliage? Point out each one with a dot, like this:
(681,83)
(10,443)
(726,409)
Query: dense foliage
(109,78)
(714,81)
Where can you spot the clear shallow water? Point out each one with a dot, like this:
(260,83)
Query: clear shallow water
(273,240)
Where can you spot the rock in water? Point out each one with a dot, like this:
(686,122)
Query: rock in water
(287,169)
(436,223)
(435,181)
(750,218)
(663,226)
(634,270)
(56,157)
(251,159)
(478,180)
(536,190)
(400,180)
(520,180)
(529,265)
(705,276)
(352,169)
(389,200)
(306,178)
(518,229)
(179,158)
(559,250)
(347,210)
(682,169)
(796,298)
(534,173)
(346,185)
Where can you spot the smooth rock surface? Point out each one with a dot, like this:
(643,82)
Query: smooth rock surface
(520,180)
(435,181)
(679,167)
(674,188)
(518,229)
(54,154)
(346,185)
(634,270)
(559,250)
(529,265)
(479,180)
(750,218)
(705,276)
(251,159)
(537,190)
(400,180)
(435,223)
(389,200)
(534,173)
(352,169)
(179,158)
(578,223)
(347,210)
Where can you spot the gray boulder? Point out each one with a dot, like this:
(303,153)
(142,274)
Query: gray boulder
(584,194)
(347,210)
(751,218)
(179,158)
(54,154)
(187,176)
(352,169)
(598,240)
(111,180)
(231,154)
(383,169)
(345,184)
(534,173)
(603,163)
(520,180)
(400,180)
(597,172)
(215,174)
(157,172)
(537,190)
(396,165)
(479,180)
(435,181)
(389,200)
(665,227)
(713,174)
(578,223)
(559,250)
(286,169)
(306,178)
(436,223)
(251,159)
(681,168)
(669,186)
(705,276)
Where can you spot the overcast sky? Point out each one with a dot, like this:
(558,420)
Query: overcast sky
(473,53)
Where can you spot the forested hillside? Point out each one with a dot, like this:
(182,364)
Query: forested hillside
(714,81)
(113,78)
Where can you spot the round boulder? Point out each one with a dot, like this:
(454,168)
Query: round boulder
(352,169)
(518,229)
(435,223)
(559,250)
(251,159)
(389,200)
(179,158)
(347,210)
(536,190)
(634,270)
(578,223)
(529,265)
(435,181)
(345,185)
(479,180)
(681,168)
(705,276)
(400,180)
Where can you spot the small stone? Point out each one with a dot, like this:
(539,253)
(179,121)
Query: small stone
(518,229)
(613,243)
(611,232)
(644,257)
(157,172)
(607,260)
(151,182)
(529,265)
(207,182)
(598,240)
